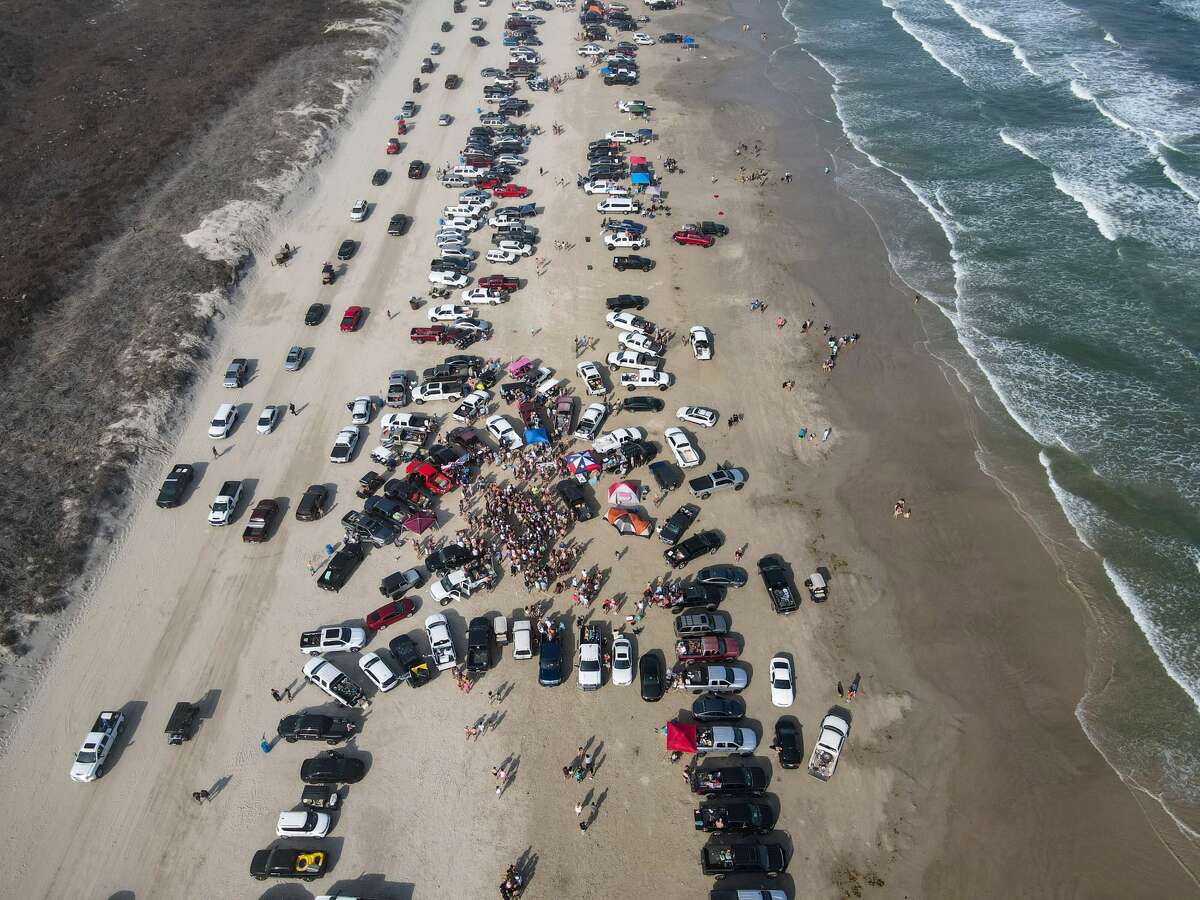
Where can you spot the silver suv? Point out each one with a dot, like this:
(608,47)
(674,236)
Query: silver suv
(700,624)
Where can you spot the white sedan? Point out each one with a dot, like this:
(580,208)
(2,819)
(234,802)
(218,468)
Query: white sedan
(611,440)
(783,686)
(622,661)
(484,296)
(445,119)
(361,410)
(635,340)
(502,256)
(505,435)
(698,415)
(643,40)
(268,419)
(381,675)
(358,211)
(306,823)
(517,247)
(448,312)
(449,279)
(701,342)
(344,446)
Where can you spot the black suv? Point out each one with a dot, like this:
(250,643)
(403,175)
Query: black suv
(725,781)
(651,674)
(693,548)
(449,558)
(413,667)
(340,567)
(416,169)
(787,743)
(698,595)
(572,495)
(315,727)
(176,485)
(673,529)
(332,767)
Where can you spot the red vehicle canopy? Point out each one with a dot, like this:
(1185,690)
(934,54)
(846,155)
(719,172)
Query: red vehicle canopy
(681,737)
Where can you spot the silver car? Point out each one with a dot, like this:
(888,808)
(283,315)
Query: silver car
(294,360)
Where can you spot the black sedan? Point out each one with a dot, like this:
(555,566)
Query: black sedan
(693,548)
(651,674)
(315,314)
(171,493)
(315,727)
(449,558)
(787,743)
(380,177)
(723,576)
(679,522)
(332,767)
(642,404)
(713,708)
(341,566)
(478,41)
(347,249)
(550,663)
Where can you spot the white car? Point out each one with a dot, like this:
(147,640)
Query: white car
(505,435)
(701,341)
(611,440)
(445,119)
(646,378)
(517,247)
(592,50)
(604,186)
(698,415)
(510,159)
(484,296)
(643,40)
(783,687)
(590,420)
(448,312)
(344,446)
(97,744)
(267,420)
(440,644)
(635,340)
(631,359)
(503,219)
(361,410)
(622,661)
(382,675)
(307,823)
(589,670)
(622,205)
(449,279)
(685,454)
(396,421)
(627,105)
(223,421)
(628,321)
(593,380)
(522,638)
(623,137)
(358,211)
(624,240)
(502,256)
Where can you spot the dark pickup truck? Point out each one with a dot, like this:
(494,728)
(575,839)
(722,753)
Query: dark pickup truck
(171,493)
(258,527)
(721,818)
(775,579)
(726,781)
(479,645)
(720,860)
(315,727)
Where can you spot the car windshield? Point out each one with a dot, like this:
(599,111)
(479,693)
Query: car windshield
(220,506)
(589,665)
(85,756)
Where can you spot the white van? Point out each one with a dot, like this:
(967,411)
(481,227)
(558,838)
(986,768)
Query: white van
(462,209)
(468,222)
(618,205)
(466,171)
(222,421)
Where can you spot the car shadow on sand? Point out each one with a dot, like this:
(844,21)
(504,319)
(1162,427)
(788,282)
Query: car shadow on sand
(133,712)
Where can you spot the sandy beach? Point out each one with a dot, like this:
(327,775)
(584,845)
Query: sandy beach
(966,773)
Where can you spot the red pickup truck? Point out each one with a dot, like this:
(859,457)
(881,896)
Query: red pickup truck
(431,334)
(498,283)
(707,649)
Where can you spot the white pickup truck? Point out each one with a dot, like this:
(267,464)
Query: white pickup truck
(93,752)
(441,645)
(334,682)
(332,637)
(644,378)
(835,728)
(685,453)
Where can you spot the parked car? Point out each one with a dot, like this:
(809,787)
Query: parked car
(378,671)
(787,744)
(775,579)
(305,823)
(729,781)
(714,708)
(175,486)
(651,675)
(642,263)
(783,686)
(722,576)
(718,480)
(97,744)
(679,522)
(288,862)
(622,661)
(310,726)
(344,445)
(332,767)
(698,415)
(701,341)
(693,548)
(351,318)
(550,664)
(340,567)
(312,505)
(718,679)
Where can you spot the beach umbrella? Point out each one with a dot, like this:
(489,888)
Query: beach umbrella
(420,522)
(582,463)
(623,494)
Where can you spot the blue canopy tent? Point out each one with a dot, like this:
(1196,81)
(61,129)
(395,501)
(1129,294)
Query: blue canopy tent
(536,436)
(640,178)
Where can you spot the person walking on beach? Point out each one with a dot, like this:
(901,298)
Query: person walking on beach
(275,695)
(292,409)
(578,809)
(196,796)
(853,692)
(215,453)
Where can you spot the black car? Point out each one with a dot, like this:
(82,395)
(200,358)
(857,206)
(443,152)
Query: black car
(452,82)
(398,224)
(693,548)
(479,645)
(312,504)
(715,708)
(478,41)
(775,578)
(642,404)
(573,495)
(413,666)
(463,363)
(643,263)
(315,314)
(626,80)
(332,767)
(724,817)
(666,475)
(787,743)
(723,576)
(446,26)
(461,266)
(727,781)
(679,522)
(315,727)
(171,493)
(638,453)
(720,859)
(407,493)
(416,169)
(449,558)
(695,596)
(340,567)
(550,663)
(716,229)
(605,171)
(671,38)
(347,249)
(651,674)
(380,177)
(284,862)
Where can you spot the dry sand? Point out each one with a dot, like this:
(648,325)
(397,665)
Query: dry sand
(186,611)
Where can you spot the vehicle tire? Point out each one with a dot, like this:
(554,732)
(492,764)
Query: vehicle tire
(419,402)
(719,877)
(664,387)
(314,652)
(677,611)
(260,877)
(703,496)
(332,743)
(100,769)
(738,487)
(291,740)
(772,874)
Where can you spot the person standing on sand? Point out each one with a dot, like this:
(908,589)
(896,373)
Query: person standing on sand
(853,692)
(841,693)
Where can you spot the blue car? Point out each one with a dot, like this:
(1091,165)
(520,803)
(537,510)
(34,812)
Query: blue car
(550,664)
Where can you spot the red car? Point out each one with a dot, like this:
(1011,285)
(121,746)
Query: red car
(499,283)
(694,238)
(431,334)
(707,649)
(351,317)
(512,190)
(430,477)
(393,147)
(490,182)
(391,613)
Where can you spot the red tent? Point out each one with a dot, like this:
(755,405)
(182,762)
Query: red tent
(681,737)
(637,160)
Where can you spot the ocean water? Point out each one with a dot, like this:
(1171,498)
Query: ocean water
(1034,169)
